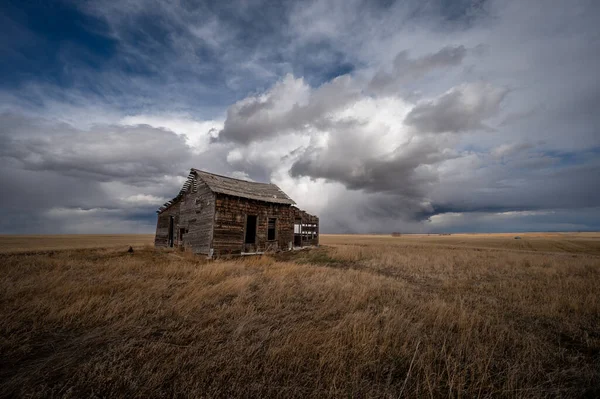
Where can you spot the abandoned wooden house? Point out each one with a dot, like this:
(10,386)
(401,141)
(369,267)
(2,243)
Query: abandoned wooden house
(217,215)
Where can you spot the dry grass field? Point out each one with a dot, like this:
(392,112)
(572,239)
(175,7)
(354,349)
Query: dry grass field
(28,243)
(362,316)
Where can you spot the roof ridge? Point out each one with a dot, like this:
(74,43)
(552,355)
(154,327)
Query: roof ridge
(268,192)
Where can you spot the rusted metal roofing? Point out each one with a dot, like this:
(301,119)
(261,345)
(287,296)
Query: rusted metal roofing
(266,192)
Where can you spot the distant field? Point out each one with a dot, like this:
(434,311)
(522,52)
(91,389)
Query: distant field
(24,243)
(552,242)
(582,243)
(362,316)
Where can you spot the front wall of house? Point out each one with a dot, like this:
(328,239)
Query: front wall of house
(230,224)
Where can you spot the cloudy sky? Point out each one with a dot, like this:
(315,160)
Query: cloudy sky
(378,116)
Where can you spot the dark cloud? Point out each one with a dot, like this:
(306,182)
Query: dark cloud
(471,193)
(27,197)
(61,176)
(460,109)
(102,153)
(405,69)
(402,170)
(541,183)
(447,56)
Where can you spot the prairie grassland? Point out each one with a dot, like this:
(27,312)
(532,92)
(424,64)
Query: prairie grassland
(28,243)
(363,316)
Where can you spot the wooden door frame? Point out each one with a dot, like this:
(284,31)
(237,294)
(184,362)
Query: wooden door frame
(245,230)
(276,229)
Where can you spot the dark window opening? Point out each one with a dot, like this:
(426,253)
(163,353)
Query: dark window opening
(181,233)
(250,229)
(271,229)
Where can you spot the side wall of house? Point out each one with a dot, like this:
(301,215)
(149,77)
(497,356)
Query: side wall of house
(161,239)
(230,223)
(193,217)
(196,218)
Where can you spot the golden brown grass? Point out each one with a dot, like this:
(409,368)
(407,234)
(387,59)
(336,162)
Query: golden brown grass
(364,316)
(28,243)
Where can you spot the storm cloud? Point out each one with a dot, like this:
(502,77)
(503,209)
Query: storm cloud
(405,68)
(460,109)
(135,154)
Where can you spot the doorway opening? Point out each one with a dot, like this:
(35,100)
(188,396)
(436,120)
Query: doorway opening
(171,230)
(250,229)
(298,232)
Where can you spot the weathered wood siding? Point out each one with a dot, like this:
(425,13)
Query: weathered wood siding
(196,216)
(230,222)
(194,213)
(161,239)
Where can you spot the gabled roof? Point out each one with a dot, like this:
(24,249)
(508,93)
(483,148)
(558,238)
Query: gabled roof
(266,192)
